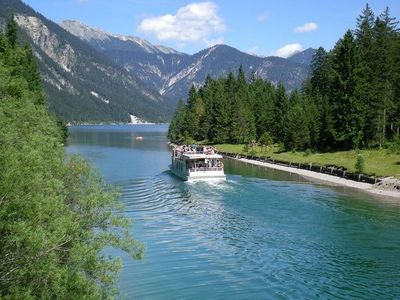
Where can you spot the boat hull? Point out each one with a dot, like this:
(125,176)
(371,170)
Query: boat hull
(199,175)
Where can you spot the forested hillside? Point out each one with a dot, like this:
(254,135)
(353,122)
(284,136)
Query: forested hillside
(56,214)
(81,84)
(351,99)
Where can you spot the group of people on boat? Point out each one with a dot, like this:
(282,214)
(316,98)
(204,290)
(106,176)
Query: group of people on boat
(196,149)
(205,165)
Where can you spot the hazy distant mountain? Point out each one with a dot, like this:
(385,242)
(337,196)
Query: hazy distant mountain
(82,84)
(172,72)
(221,59)
(304,57)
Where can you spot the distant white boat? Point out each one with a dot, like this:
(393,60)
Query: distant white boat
(196,163)
(139,138)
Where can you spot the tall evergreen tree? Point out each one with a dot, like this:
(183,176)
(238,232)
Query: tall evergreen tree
(297,134)
(385,35)
(217,112)
(11,32)
(365,72)
(347,110)
(263,97)
(319,72)
(281,107)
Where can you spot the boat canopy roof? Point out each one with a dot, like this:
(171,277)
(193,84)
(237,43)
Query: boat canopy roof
(193,156)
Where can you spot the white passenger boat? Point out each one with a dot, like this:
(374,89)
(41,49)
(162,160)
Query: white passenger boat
(197,163)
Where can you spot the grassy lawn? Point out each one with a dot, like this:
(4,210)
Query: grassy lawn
(379,162)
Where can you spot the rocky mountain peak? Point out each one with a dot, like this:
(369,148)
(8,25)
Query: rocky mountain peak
(83,31)
(112,41)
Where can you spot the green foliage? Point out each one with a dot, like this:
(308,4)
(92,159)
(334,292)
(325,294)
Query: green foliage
(347,110)
(307,152)
(394,146)
(297,131)
(245,148)
(253,152)
(360,163)
(56,213)
(351,99)
(265,140)
(11,32)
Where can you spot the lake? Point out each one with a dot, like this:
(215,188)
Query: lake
(261,234)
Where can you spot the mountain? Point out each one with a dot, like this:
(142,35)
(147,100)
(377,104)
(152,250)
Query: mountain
(172,73)
(101,40)
(154,65)
(303,57)
(81,83)
(219,60)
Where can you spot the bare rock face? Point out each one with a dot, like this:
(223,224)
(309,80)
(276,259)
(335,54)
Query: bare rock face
(59,51)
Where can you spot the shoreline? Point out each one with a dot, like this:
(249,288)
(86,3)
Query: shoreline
(111,124)
(326,178)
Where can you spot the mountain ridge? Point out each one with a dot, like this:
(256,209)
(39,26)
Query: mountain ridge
(173,73)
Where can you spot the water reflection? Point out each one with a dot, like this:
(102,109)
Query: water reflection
(120,137)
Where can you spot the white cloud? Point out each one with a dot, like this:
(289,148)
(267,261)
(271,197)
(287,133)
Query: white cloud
(213,42)
(254,50)
(288,50)
(263,17)
(195,22)
(311,26)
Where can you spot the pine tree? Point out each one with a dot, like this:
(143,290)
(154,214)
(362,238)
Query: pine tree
(319,72)
(347,110)
(11,32)
(263,96)
(219,113)
(192,119)
(297,134)
(365,72)
(177,126)
(385,35)
(281,107)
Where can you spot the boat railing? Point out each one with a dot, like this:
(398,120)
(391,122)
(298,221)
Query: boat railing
(195,152)
(203,169)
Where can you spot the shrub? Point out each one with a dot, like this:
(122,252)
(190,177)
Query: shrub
(307,152)
(360,164)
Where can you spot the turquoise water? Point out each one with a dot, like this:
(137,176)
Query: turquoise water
(262,234)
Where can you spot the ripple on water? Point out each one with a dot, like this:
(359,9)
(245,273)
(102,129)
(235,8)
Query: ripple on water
(253,238)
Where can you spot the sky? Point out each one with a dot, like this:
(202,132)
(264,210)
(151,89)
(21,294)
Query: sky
(260,27)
